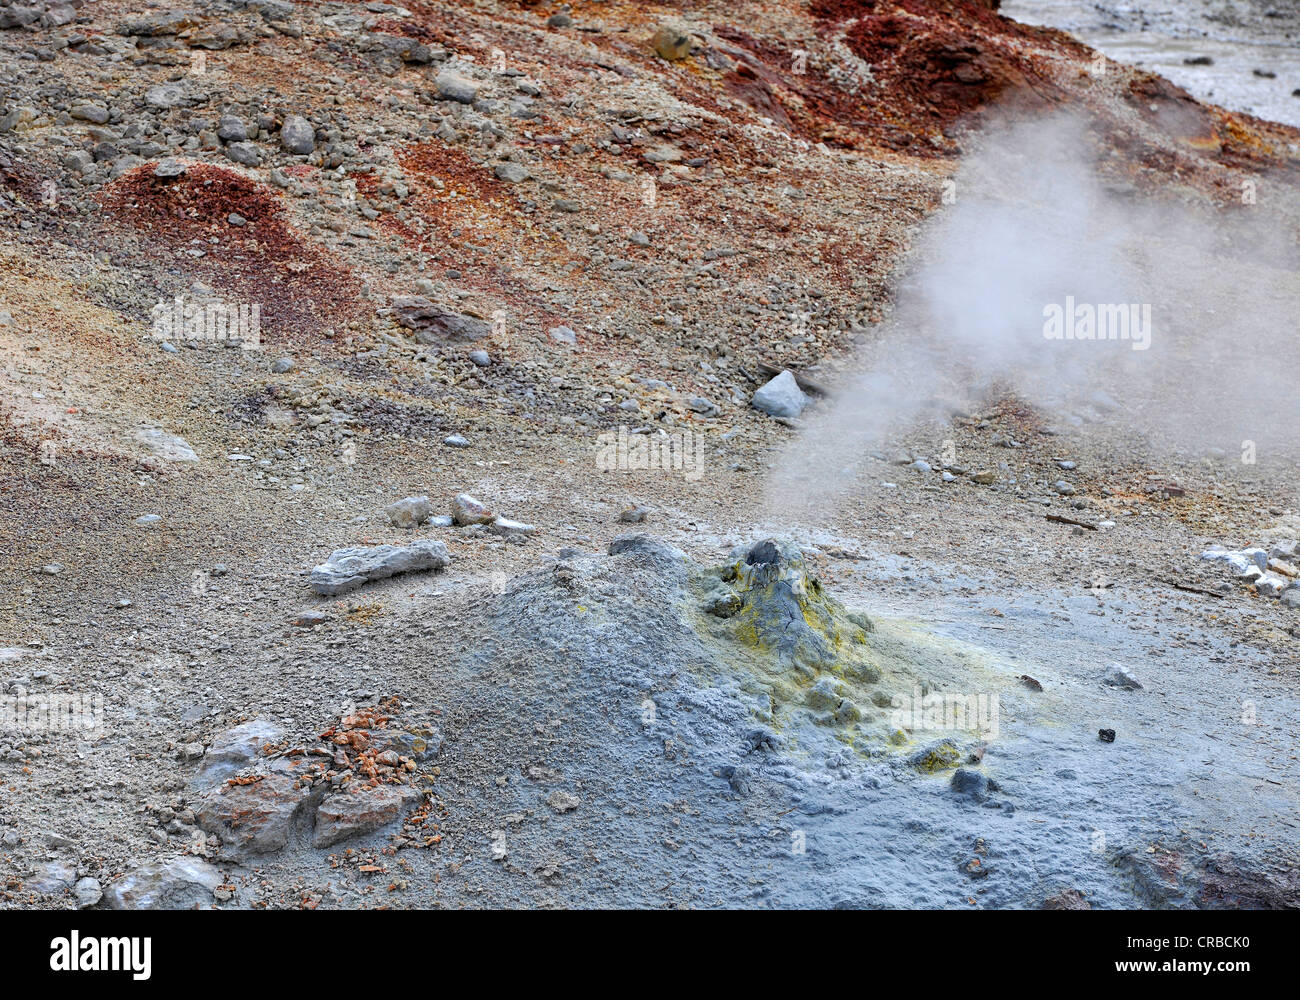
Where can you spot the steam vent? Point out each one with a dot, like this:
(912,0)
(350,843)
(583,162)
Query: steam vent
(813,654)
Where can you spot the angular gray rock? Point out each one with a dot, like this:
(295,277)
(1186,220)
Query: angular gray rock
(166,169)
(88,892)
(231,129)
(347,815)
(244,153)
(347,569)
(54,877)
(234,750)
(781,397)
(180,883)
(259,816)
(79,162)
(511,173)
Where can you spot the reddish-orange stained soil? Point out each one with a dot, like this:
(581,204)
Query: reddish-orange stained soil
(932,64)
(265,262)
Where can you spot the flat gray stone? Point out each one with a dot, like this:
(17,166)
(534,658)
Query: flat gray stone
(165,95)
(433,323)
(166,446)
(506,527)
(454,87)
(511,173)
(88,112)
(347,569)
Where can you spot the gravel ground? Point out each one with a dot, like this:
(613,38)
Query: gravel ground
(782,212)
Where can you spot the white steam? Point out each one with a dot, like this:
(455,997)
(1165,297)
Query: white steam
(1033,223)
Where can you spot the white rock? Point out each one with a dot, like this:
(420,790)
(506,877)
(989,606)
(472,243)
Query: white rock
(1271,585)
(177,884)
(88,892)
(1239,560)
(503,526)
(466,510)
(1117,675)
(409,512)
(166,446)
(780,397)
